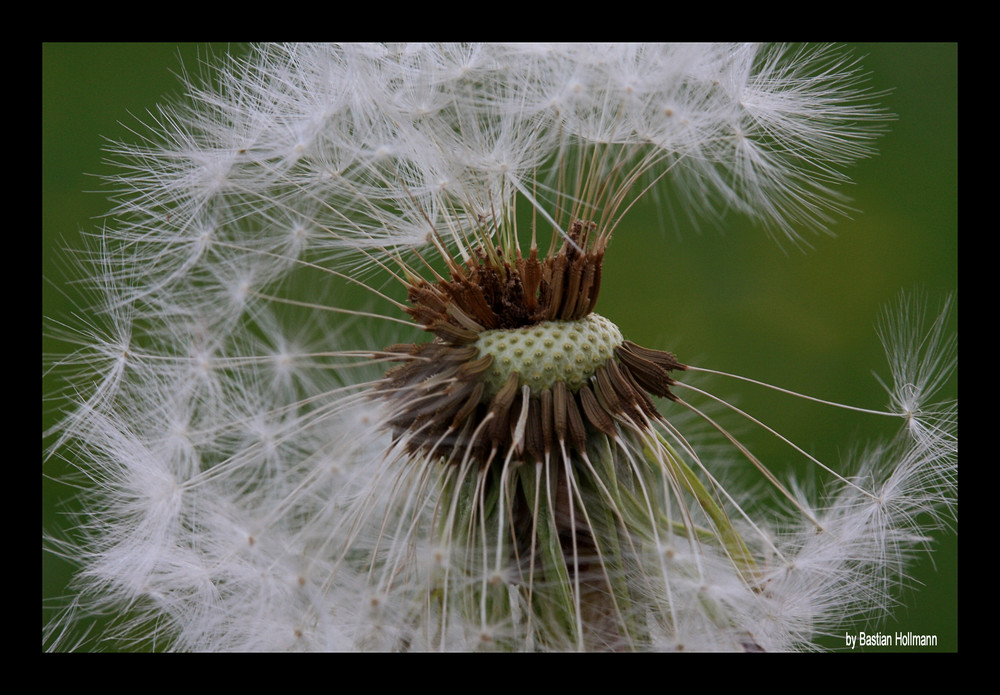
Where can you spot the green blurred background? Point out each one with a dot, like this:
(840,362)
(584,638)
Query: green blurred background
(728,298)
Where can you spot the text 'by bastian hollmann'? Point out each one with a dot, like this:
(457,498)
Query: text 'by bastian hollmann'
(889,639)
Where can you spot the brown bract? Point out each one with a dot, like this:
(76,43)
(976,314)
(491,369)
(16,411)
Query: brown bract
(489,292)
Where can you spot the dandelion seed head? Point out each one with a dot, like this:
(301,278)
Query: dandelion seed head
(473,458)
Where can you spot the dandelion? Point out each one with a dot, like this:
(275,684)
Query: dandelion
(348,386)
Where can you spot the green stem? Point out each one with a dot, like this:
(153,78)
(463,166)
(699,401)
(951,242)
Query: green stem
(730,538)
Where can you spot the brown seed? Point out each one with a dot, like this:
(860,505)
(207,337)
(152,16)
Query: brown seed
(500,410)
(595,414)
(647,368)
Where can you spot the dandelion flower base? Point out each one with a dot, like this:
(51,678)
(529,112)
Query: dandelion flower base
(551,351)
